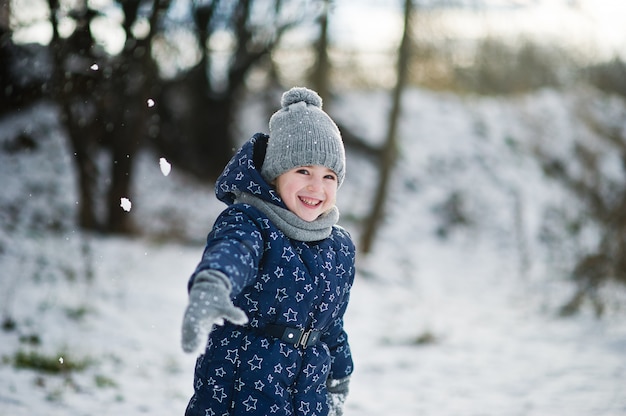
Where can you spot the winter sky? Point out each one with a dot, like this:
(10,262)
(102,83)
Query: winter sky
(589,25)
(581,24)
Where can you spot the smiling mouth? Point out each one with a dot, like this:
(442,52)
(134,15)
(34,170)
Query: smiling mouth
(310,202)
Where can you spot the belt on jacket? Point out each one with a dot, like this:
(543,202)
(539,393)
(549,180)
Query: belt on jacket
(300,338)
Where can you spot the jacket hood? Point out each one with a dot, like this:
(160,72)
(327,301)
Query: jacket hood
(243,174)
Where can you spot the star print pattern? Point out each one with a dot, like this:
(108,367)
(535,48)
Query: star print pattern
(275,280)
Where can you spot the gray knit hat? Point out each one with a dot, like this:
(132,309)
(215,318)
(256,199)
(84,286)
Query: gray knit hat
(301,134)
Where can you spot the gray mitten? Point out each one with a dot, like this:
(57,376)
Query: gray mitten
(209,304)
(337,394)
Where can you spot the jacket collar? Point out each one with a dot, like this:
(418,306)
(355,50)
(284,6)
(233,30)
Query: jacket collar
(241,182)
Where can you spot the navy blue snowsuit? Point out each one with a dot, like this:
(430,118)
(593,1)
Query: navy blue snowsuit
(275,280)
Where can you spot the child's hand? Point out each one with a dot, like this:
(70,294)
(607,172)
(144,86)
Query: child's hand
(209,304)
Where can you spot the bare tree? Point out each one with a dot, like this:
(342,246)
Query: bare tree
(603,202)
(113,104)
(199,138)
(103,108)
(5,15)
(320,75)
(389,151)
(134,82)
(71,85)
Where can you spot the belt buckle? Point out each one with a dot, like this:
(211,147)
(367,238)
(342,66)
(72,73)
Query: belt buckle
(290,334)
(308,338)
(304,338)
(300,338)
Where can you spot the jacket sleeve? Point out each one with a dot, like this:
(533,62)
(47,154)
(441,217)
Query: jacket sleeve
(234,247)
(335,336)
(341,358)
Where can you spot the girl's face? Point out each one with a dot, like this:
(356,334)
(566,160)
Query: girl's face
(308,191)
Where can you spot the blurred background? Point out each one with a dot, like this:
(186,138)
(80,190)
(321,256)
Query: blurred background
(174,75)
(464,121)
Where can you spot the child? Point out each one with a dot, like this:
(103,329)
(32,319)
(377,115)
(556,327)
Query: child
(275,275)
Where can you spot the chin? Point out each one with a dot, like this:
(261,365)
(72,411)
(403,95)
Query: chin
(308,218)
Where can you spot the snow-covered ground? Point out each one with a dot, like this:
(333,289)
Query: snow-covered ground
(443,320)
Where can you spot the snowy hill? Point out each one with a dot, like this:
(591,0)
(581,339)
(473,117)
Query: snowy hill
(454,313)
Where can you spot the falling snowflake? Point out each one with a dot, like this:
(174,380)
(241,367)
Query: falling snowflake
(94,67)
(150,102)
(166,168)
(125,204)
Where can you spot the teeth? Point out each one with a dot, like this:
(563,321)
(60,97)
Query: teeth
(310,202)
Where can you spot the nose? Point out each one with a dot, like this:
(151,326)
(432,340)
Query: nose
(314,184)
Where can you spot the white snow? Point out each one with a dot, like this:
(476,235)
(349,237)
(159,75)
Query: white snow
(165,166)
(125,204)
(464,324)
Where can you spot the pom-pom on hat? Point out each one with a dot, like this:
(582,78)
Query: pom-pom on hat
(301,134)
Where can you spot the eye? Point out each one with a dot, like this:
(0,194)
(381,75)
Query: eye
(302,171)
(331,177)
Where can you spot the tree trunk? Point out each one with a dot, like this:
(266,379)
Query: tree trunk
(321,70)
(389,151)
(5,16)
(136,84)
(195,126)
(64,92)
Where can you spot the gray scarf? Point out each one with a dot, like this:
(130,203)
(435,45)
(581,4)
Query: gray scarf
(289,223)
